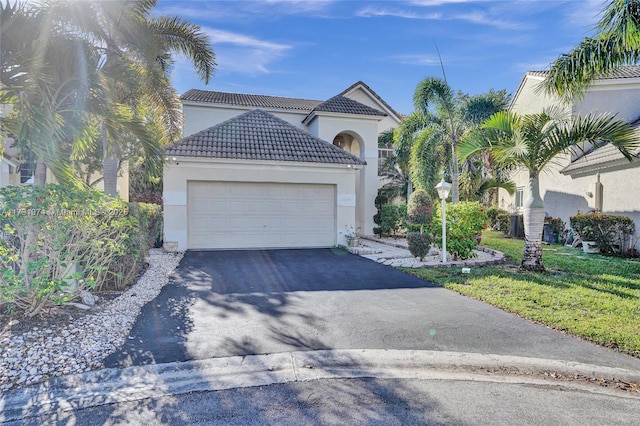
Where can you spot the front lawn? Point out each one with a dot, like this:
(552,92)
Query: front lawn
(591,296)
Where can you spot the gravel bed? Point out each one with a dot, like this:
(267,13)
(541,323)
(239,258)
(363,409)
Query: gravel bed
(43,353)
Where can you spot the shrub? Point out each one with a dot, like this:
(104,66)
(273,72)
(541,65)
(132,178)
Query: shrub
(556,225)
(503,223)
(494,214)
(377,218)
(610,232)
(392,218)
(58,241)
(150,218)
(419,210)
(465,220)
(419,244)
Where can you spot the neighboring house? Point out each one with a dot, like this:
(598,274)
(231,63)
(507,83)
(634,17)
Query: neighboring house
(8,171)
(596,177)
(257,171)
(13,171)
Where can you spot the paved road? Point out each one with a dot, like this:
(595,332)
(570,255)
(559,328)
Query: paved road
(366,402)
(226,303)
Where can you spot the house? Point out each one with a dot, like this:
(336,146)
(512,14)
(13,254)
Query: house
(257,171)
(15,170)
(594,177)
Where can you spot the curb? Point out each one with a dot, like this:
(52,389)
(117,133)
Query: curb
(110,386)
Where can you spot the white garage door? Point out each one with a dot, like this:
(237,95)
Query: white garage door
(234,215)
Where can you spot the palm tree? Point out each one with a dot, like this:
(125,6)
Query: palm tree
(430,134)
(435,104)
(616,43)
(137,55)
(533,142)
(42,78)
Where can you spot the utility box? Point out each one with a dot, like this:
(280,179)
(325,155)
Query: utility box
(516,226)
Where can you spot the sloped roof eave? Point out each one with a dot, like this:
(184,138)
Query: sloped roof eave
(258,135)
(398,116)
(314,114)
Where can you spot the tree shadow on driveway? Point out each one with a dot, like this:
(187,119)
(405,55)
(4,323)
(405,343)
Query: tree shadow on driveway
(261,291)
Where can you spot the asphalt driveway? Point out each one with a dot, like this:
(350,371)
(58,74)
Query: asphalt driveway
(224,303)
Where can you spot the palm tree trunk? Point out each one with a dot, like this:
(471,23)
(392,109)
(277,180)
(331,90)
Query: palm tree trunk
(454,170)
(533,224)
(39,180)
(40,174)
(109,165)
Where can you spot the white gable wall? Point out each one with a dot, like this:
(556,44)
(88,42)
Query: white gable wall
(363,96)
(198,117)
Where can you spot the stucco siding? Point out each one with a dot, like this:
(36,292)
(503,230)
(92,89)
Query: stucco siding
(367,180)
(529,100)
(365,98)
(623,101)
(200,117)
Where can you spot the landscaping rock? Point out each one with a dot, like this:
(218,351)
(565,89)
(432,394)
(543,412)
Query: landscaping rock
(80,346)
(87,298)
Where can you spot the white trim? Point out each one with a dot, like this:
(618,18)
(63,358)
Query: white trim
(614,84)
(188,161)
(314,114)
(9,162)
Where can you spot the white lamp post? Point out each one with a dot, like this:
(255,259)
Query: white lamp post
(443,189)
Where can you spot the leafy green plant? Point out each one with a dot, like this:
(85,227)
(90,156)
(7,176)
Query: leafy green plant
(380,200)
(611,233)
(557,224)
(465,221)
(58,241)
(419,210)
(503,222)
(419,244)
(392,218)
(150,218)
(494,213)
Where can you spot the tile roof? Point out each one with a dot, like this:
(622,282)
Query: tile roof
(382,101)
(256,101)
(630,71)
(258,135)
(344,105)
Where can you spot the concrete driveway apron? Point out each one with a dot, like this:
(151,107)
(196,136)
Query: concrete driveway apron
(224,303)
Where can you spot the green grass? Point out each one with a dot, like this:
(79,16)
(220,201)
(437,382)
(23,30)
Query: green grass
(591,296)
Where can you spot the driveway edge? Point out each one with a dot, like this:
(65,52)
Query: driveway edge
(110,386)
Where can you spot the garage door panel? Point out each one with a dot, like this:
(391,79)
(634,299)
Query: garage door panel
(260,215)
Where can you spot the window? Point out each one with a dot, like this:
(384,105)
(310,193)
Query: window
(383,155)
(26,172)
(519,198)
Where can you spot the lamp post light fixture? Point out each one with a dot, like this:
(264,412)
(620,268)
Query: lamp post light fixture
(443,189)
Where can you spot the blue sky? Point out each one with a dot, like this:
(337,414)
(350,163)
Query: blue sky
(315,49)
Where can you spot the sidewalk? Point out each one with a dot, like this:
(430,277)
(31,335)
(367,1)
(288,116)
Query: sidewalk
(395,253)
